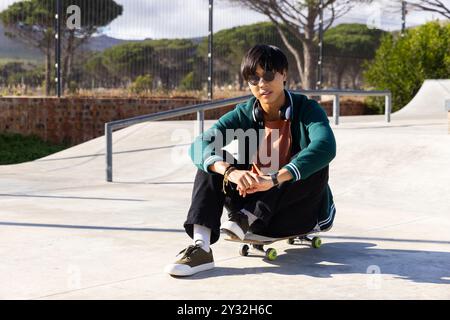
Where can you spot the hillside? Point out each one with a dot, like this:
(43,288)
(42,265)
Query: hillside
(15,49)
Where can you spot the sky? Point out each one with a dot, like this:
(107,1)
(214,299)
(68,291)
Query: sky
(155,19)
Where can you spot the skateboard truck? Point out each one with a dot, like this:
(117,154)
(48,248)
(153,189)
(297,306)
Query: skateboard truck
(315,242)
(271,253)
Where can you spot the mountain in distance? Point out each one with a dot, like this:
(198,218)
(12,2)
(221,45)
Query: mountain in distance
(16,49)
(100,43)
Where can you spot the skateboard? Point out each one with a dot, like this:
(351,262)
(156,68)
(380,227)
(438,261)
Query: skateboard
(258,242)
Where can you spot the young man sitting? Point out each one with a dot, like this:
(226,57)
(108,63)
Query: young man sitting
(286,195)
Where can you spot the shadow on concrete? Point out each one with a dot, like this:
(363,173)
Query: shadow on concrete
(385,239)
(93,157)
(66,197)
(66,226)
(162,182)
(390,126)
(348,258)
(115,152)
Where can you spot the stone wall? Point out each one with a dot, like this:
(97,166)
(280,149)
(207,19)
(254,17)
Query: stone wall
(76,120)
(347,108)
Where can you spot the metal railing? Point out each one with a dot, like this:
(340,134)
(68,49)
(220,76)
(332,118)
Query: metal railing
(338,93)
(200,108)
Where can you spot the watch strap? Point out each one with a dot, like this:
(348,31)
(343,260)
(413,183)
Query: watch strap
(274,177)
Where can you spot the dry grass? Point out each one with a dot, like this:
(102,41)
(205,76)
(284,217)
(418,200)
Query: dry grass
(219,93)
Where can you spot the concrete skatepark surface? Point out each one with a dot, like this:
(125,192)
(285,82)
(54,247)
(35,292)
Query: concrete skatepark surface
(68,234)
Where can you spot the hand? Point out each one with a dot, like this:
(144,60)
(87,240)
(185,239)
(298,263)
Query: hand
(244,179)
(264,183)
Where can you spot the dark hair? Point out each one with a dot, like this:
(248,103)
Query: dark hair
(270,58)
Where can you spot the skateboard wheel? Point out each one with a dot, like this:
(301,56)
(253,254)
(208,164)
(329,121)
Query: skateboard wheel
(271,254)
(316,242)
(291,240)
(243,250)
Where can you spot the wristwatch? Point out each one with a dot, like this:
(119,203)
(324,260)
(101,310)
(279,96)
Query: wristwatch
(274,177)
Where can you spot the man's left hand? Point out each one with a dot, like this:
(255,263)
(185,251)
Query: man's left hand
(264,183)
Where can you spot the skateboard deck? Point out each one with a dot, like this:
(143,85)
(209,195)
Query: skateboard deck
(253,238)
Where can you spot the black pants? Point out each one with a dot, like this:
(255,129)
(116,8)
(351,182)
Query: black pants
(291,208)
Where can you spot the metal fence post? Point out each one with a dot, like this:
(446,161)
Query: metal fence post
(388,107)
(320,62)
(108,136)
(201,121)
(201,113)
(336,109)
(58,18)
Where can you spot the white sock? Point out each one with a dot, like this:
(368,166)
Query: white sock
(202,236)
(251,217)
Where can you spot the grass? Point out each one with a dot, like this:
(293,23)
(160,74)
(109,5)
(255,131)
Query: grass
(15,148)
(5,60)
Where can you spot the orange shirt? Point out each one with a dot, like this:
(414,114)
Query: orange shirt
(274,150)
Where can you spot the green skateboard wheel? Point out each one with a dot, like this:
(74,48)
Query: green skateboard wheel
(271,254)
(316,242)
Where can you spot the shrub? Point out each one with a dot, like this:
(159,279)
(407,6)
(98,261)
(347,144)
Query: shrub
(142,84)
(401,64)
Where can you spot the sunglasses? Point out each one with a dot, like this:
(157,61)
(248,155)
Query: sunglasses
(267,77)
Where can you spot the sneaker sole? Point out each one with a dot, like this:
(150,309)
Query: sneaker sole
(233,230)
(184,270)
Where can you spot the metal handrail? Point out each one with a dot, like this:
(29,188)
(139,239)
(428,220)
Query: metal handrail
(337,93)
(202,107)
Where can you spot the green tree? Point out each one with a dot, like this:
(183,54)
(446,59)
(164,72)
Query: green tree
(32,21)
(299,20)
(94,15)
(175,58)
(230,45)
(95,69)
(167,60)
(15,73)
(142,84)
(401,64)
(129,60)
(346,47)
(189,82)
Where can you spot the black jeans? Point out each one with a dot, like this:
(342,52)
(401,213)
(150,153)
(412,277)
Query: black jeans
(290,208)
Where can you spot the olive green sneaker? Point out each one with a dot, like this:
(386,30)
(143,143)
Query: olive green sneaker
(194,259)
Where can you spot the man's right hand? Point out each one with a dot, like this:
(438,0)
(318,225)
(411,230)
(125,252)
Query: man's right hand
(244,180)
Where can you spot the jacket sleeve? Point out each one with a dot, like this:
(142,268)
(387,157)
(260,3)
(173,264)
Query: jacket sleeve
(322,147)
(207,147)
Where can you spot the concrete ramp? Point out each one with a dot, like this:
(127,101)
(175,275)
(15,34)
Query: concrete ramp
(429,102)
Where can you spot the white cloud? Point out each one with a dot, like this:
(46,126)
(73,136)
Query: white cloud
(175,19)
(5,3)
(189,18)
(386,15)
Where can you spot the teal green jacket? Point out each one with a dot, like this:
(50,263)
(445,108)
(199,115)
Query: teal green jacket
(313,143)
